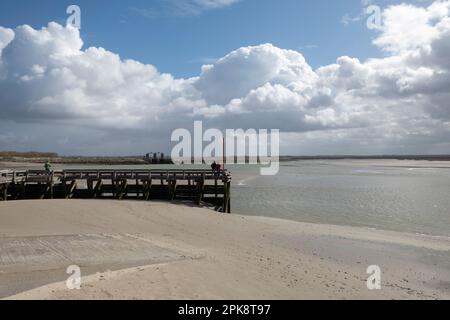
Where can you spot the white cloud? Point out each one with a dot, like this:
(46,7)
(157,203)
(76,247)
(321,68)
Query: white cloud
(213,3)
(236,74)
(395,104)
(6,36)
(58,81)
(406,27)
(183,7)
(193,7)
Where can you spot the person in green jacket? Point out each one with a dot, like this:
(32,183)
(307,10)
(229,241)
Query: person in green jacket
(48,167)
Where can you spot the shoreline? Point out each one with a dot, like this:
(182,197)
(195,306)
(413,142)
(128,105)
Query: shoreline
(354,226)
(185,252)
(273,219)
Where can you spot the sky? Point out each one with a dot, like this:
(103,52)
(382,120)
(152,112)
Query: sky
(179,41)
(137,70)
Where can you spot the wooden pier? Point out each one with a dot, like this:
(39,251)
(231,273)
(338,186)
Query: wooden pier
(199,186)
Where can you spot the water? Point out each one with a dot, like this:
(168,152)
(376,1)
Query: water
(410,196)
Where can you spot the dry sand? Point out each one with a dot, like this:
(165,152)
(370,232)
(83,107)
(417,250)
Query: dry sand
(145,250)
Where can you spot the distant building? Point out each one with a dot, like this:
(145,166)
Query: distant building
(157,158)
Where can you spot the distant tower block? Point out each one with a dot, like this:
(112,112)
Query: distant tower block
(157,158)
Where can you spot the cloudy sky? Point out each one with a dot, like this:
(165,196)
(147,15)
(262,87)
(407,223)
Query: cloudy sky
(137,70)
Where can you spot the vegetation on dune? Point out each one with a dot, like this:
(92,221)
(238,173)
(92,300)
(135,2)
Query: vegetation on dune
(41,157)
(27,155)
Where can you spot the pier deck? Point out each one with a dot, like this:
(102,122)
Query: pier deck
(194,185)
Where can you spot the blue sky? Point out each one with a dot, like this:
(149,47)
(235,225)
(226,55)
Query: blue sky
(359,91)
(154,32)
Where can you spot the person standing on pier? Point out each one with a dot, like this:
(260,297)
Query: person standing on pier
(48,167)
(216,168)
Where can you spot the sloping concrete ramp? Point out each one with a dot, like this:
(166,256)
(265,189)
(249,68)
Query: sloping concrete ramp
(28,262)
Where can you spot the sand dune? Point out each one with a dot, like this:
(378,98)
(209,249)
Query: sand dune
(144,250)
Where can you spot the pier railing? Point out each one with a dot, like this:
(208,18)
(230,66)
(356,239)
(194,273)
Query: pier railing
(197,185)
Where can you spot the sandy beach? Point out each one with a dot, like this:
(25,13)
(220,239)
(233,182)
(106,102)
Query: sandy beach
(146,250)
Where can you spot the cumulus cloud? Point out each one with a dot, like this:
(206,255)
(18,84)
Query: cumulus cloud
(49,78)
(236,74)
(394,104)
(6,36)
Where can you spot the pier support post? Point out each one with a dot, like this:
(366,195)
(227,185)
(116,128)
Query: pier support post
(97,191)
(226,208)
(51,190)
(229,197)
(90,186)
(190,186)
(122,192)
(148,189)
(21,190)
(71,190)
(49,187)
(169,190)
(225,197)
(138,191)
(43,191)
(172,189)
(215,189)
(64,188)
(114,184)
(144,190)
(4,192)
(200,189)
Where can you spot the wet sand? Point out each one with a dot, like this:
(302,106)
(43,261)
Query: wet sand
(146,250)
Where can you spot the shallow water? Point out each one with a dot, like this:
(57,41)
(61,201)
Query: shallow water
(411,196)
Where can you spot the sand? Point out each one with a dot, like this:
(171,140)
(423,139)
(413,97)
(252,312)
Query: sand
(151,250)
